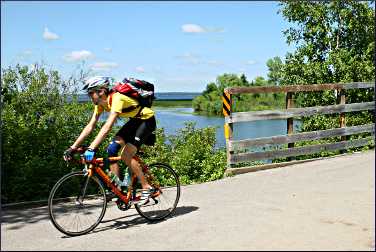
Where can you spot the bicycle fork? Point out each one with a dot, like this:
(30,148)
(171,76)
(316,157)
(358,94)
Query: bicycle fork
(81,196)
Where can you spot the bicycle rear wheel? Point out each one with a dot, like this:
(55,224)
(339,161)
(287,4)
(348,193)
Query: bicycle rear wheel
(163,203)
(77,204)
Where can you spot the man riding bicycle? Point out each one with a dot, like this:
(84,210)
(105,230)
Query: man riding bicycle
(137,131)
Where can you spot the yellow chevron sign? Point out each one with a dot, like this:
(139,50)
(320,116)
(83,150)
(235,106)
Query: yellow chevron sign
(226,98)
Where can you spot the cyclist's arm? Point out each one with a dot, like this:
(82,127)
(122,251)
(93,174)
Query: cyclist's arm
(87,130)
(106,128)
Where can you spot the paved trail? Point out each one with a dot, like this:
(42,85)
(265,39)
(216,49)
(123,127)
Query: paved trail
(322,205)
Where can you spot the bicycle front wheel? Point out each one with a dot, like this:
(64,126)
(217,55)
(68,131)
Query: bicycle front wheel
(162,203)
(77,203)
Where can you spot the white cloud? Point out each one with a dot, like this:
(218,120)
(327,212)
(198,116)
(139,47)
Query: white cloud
(190,58)
(78,56)
(27,52)
(140,69)
(215,63)
(193,28)
(104,65)
(250,62)
(108,49)
(47,35)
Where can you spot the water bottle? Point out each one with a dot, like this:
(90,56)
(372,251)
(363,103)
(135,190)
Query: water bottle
(127,179)
(114,178)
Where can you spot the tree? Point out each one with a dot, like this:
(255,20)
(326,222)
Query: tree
(210,102)
(334,39)
(228,80)
(211,87)
(260,81)
(243,80)
(334,44)
(275,66)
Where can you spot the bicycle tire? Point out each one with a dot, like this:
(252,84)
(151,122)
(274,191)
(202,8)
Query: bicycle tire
(64,201)
(162,206)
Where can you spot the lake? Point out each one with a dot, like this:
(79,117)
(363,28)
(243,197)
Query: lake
(173,119)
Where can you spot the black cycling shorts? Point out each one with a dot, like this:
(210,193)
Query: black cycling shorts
(137,131)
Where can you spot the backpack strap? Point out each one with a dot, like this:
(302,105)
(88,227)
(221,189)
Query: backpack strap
(110,97)
(125,110)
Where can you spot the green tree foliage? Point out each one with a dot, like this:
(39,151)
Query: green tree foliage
(275,70)
(335,41)
(335,44)
(210,102)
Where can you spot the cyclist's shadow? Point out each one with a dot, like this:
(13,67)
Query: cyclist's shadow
(122,222)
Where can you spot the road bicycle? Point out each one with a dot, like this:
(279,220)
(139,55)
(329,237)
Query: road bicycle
(77,202)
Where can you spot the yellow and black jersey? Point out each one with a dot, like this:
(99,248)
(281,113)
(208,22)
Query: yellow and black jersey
(125,106)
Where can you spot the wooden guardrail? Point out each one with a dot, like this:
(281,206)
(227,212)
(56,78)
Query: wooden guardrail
(237,149)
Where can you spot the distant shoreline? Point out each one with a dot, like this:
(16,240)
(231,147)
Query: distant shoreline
(160,96)
(172,103)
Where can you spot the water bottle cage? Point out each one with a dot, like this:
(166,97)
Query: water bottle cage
(86,170)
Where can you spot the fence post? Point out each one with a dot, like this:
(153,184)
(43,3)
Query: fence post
(228,127)
(290,121)
(342,118)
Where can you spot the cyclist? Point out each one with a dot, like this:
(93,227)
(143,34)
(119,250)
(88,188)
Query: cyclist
(138,130)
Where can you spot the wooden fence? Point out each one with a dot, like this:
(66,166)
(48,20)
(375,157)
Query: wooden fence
(237,149)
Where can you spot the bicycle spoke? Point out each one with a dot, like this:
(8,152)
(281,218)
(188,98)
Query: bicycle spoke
(77,214)
(165,203)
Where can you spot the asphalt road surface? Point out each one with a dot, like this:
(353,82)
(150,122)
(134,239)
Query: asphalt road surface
(327,204)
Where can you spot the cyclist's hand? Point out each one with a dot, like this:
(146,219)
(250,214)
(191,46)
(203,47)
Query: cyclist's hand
(89,154)
(68,154)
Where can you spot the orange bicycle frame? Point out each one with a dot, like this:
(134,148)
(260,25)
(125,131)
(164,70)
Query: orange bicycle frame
(95,166)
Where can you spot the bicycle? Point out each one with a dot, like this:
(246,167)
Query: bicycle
(77,202)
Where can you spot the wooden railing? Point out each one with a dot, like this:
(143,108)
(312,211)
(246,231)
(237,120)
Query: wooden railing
(237,149)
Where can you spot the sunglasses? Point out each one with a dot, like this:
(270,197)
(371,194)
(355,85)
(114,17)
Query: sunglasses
(90,92)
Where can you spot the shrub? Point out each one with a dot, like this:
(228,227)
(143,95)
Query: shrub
(38,124)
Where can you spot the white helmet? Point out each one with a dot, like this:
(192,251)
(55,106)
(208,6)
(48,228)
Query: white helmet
(97,82)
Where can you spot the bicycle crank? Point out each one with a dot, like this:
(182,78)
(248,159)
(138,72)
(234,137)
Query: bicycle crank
(122,206)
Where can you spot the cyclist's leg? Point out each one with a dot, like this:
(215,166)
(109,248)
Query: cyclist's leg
(128,152)
(134,136)
(112,150)
(118,143)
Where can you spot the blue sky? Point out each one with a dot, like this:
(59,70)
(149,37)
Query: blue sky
(181,46)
